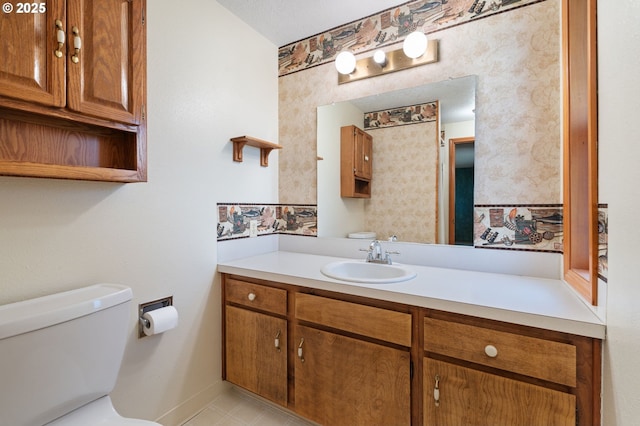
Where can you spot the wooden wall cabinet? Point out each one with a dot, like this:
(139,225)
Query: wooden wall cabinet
(358,361)
(73,91)
(356,162)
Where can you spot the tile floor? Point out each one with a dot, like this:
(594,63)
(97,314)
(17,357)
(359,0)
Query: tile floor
(237,408)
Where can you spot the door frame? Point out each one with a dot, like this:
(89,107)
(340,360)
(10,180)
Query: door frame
(453,142)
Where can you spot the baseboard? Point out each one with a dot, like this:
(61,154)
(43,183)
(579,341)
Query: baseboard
(192,406)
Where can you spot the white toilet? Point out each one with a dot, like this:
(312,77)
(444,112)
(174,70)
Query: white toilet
(60,356)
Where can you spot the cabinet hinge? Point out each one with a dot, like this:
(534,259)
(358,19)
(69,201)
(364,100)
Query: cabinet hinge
(144,17)
(144,112)
(410,370)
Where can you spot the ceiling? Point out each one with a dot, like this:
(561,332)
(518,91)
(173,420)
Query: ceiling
(286,21)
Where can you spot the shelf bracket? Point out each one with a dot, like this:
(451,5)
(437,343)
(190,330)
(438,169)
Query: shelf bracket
(264,146)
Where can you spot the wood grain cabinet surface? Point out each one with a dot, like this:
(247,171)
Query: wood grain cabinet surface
(470,397)
(351,360)
(73,91)
(341,380)
(255,343)
(356,162)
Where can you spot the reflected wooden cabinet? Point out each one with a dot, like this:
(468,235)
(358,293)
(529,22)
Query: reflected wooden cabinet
(356,162)
(75,76)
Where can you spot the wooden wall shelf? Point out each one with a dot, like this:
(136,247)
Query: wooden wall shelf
(265,148)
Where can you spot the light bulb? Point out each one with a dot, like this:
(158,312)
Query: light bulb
(415,44)
(380,58)
(345,62)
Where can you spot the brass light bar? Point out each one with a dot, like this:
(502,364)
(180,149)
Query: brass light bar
(396,61)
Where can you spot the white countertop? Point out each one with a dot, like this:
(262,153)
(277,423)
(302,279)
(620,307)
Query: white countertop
(537,302)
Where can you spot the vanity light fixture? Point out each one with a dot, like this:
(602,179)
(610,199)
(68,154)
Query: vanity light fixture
(345,62)
(416,50)
(415,44)
(380,58)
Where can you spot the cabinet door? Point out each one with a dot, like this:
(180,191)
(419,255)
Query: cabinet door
(253,360)
(29,68)
(345,381)
(363,154)
(106,76)
(474,398)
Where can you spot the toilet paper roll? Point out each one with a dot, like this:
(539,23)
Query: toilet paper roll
(160,320)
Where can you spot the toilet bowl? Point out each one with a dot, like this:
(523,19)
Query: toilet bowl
(98,413)
(61,355)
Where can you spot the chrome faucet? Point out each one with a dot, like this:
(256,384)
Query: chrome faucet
(376,254)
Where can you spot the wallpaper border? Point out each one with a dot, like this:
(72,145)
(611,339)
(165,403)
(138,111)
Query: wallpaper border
(385,28)
(234,219)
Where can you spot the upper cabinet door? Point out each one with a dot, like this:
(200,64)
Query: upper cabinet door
(30,69)
(107,59)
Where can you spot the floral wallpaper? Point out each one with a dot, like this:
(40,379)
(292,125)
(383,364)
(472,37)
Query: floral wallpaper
(388,27)
(404,204)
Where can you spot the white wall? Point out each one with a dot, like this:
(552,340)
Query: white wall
(347,214)
(619,175)
(159,237)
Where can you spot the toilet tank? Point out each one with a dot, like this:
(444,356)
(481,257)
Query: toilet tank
(60,352)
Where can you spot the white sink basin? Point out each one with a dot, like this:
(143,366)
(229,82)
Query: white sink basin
(367,272)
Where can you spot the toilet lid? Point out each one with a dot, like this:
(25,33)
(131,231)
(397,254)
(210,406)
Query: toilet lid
(363,235)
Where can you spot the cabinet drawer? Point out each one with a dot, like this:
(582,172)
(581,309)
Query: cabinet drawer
(256,296)
(530,356)
(378,323)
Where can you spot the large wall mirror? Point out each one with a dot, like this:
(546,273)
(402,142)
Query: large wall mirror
(422,188)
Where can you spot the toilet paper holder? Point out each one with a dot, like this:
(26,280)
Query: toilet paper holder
(150,306)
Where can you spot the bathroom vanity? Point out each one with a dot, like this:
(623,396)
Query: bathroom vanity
(447,347)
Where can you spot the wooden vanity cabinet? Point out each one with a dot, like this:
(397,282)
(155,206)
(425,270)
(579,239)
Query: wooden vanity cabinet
(351,360)
(255,339)
(478,372)
(347,368)
(471,397)
(73,91)
(356,162)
